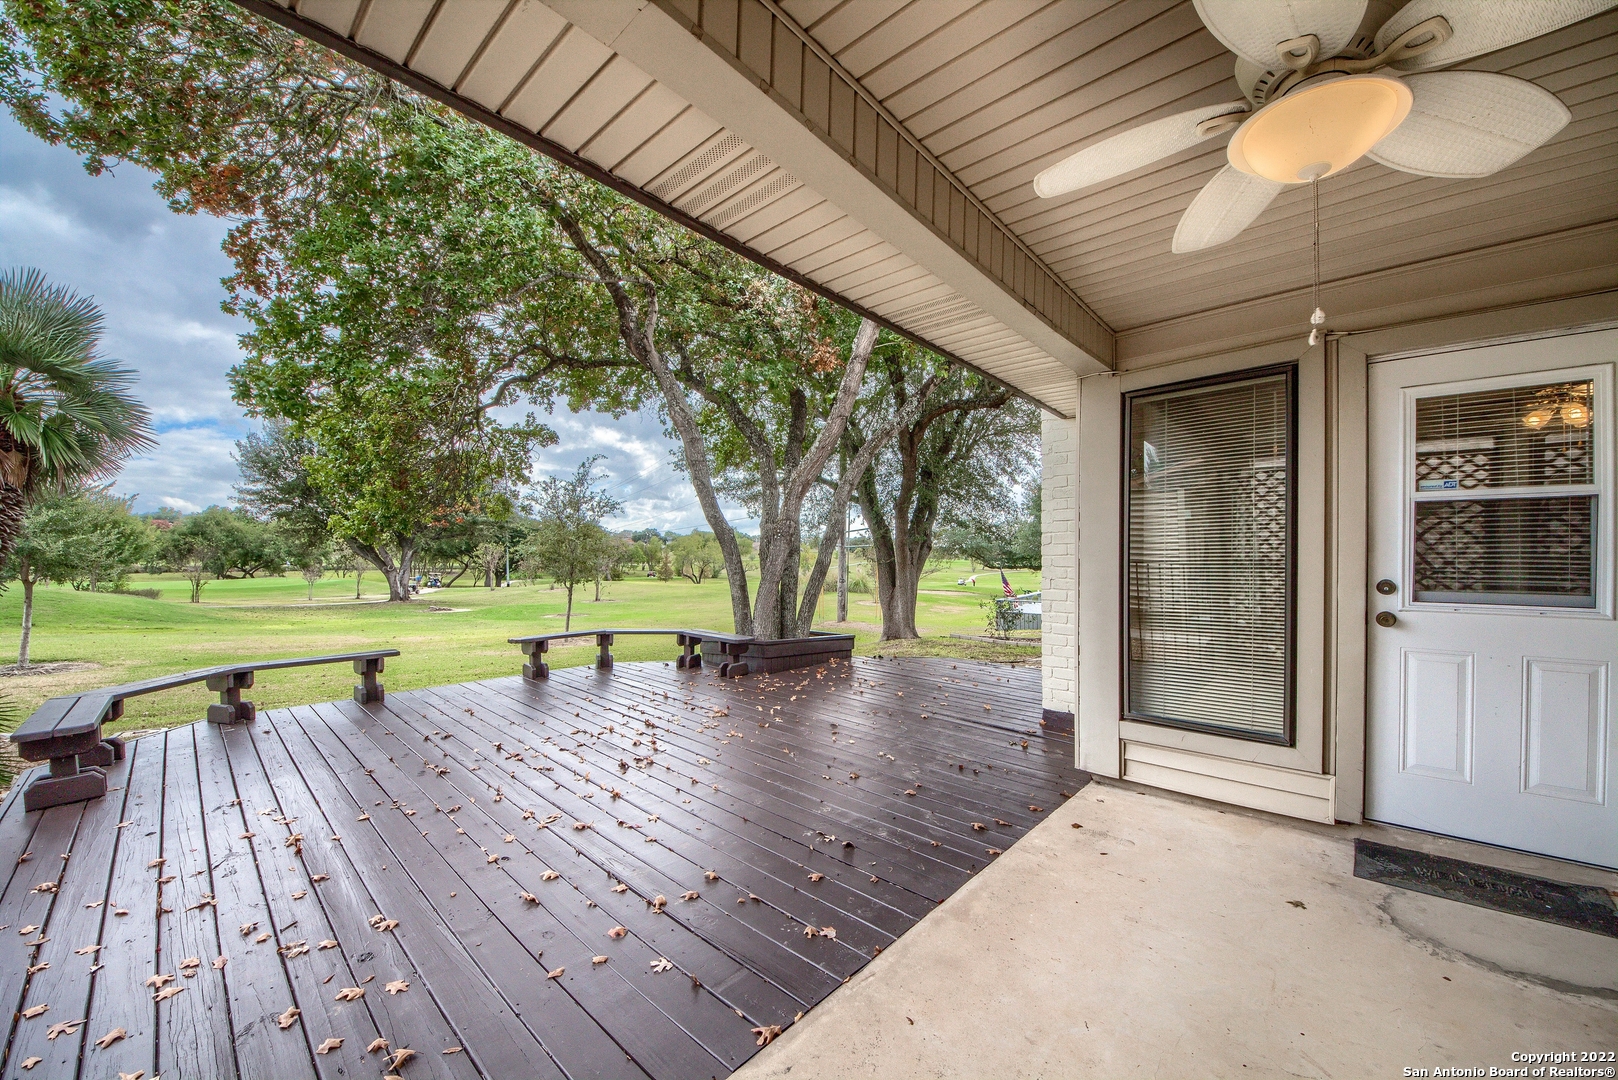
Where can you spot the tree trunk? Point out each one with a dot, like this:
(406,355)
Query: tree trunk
(567,623)
(357,575)
(27,613)
(842,577)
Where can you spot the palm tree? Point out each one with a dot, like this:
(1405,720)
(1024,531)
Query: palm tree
(66,413)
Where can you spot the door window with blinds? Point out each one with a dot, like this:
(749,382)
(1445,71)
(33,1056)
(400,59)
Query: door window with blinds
(1209,549)
(1504,496)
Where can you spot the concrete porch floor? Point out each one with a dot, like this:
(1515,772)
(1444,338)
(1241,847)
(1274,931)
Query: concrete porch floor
(1173,937)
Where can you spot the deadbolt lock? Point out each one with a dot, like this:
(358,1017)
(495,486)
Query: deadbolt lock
(1386,618)
(1386,587)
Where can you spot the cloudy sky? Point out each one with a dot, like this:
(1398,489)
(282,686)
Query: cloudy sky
(156,276)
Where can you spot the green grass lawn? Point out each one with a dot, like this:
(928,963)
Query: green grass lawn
(129,637)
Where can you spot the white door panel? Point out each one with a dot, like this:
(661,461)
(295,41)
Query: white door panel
(1491,530)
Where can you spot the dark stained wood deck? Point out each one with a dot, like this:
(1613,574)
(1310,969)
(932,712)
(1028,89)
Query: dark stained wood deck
(622,874)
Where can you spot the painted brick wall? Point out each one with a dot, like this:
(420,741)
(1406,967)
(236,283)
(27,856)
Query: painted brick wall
(1059,649)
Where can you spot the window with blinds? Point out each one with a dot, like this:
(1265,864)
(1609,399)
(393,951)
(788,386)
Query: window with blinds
(1209,543)
(1505,492)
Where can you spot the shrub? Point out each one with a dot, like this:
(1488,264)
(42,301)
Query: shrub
(150,594)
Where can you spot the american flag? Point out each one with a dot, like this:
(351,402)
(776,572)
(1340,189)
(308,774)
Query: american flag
(1006,585)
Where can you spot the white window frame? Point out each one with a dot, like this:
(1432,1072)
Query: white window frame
(1602,415)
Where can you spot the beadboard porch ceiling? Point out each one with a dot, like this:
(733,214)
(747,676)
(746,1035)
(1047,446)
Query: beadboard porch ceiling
(883,152)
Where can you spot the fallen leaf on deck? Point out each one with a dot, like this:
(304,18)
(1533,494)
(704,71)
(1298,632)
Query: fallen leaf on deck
(376,1044)
(617,932)
(692,895)
(997,821)
(766,1035)
(262,938)
(299,895)
(598,959)
(909,792)
(399,1057)
(397,986)
(190,962)
(810,931)
(288,1018)
(318,878)
(327,944)
(111,1037)
(168,992)
(247,836)
(530,897)
(1036,809)
(247,928)
(493,858)
(363,817)
(659,902)
(45,887)
(661,965)
(580,826)
(549,875)
(328,1046)
(29,1063)
(995,851)
(158,980)
(350,993)
(978,826)
(620,888)
(25,931)
(155,863)
(294,948)
(66,1027)
(557,974)
(37,1010)
(817,877)
(450,1050)
(711,876)
(219,963)
(37,968)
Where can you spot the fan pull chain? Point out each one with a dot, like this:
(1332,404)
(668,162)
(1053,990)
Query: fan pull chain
(1318,319)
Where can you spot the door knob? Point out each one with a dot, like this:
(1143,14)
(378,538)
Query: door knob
(1386,587)
(1386,618)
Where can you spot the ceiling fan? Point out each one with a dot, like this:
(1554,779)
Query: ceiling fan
(1330,81)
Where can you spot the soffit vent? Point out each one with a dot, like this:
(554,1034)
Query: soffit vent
(697,166)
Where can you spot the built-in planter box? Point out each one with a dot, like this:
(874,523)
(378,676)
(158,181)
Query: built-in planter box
(732,657)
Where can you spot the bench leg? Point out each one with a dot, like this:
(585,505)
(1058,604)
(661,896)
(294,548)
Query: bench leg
(604,660)
(67,783)
(536,668)
(231,708)
(111,749)
(370,690)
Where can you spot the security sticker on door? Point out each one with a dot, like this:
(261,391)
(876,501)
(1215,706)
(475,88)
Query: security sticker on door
(1438,485)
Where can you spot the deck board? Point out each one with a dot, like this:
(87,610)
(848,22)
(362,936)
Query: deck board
(442,808)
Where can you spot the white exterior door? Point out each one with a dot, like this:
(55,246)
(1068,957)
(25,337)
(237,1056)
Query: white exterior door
(1493,644)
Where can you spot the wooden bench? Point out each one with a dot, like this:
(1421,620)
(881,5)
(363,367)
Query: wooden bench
(536,646)
(66,730)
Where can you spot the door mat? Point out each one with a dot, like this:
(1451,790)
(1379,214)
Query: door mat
(1583,907)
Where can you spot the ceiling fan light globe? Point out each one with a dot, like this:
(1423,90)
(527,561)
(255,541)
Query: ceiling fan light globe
(1332,122)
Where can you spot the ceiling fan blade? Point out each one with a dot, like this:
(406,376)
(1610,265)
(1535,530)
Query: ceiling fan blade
(1252,30)
(1224,207)
(1482,26)
(1470,123)
(1131,149)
